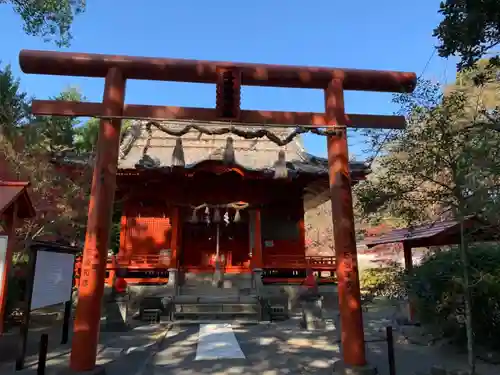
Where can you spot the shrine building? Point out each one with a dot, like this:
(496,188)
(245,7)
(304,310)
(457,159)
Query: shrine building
(192,193)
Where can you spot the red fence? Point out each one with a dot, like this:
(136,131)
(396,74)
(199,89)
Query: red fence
(152,269)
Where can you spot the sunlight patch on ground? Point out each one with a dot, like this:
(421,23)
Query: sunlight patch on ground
(310,343)
(267,340)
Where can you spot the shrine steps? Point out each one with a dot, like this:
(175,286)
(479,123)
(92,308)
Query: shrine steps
(229,282)
(236,308)
(199,300)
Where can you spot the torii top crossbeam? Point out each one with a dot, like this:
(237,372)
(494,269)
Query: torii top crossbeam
(181,70)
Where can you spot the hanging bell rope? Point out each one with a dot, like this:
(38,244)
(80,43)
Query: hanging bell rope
(216,218)
(207,215)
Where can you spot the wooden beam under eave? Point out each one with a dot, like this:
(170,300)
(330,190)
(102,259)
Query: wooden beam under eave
(160,113)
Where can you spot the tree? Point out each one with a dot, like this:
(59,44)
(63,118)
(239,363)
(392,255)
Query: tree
(470,29)
(55,133)
(60,199)
(86,134)
(26,147)
(49,19)
(445,164)
(447,156)
(13,104)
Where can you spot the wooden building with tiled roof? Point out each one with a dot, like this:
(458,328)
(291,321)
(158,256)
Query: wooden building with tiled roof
(195,191)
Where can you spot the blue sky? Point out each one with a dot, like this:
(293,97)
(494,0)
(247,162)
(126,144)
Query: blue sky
(385,34)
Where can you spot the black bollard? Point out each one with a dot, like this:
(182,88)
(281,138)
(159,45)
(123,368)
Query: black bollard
(66,322)
(42,354)
(390,351)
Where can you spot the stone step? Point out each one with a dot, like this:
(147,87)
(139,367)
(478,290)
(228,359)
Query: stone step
(198,277)
(232,322)
(224,308)
(214,316)
(224,286)
(208,291)
(194,299)
(216,308)
(216,312)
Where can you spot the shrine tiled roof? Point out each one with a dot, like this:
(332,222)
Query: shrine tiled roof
(417,232)
(446,232)
(15,191)
(152,148)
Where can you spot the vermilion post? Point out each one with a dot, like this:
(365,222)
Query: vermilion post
(11,239)
(91,288)
(351,318)
(174,238)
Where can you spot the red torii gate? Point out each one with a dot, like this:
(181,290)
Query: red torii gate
(228,78)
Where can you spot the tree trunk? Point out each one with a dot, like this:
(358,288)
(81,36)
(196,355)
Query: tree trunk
(467,300)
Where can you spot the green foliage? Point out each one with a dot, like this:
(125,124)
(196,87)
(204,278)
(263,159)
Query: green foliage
(385,282)
(447,158)
(55,133)
(26,146)
(49,19)
(13,104)
(439,289)
(445,164)
(469,29)
(87,134)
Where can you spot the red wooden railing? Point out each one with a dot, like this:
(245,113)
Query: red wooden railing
(291,261)
(322,266)
(146,262)
(142,261)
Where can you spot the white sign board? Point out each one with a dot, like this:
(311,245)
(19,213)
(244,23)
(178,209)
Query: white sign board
(3,258)
(53,279)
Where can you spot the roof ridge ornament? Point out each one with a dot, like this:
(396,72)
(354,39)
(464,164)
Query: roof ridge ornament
(228,155)
(178,159)
(280,169)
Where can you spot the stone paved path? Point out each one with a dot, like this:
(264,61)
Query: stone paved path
(267,349)
(283,349)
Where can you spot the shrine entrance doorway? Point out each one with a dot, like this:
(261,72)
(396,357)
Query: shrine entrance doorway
(201,241)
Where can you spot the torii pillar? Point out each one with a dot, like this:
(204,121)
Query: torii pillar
(351,317)
(91,289)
